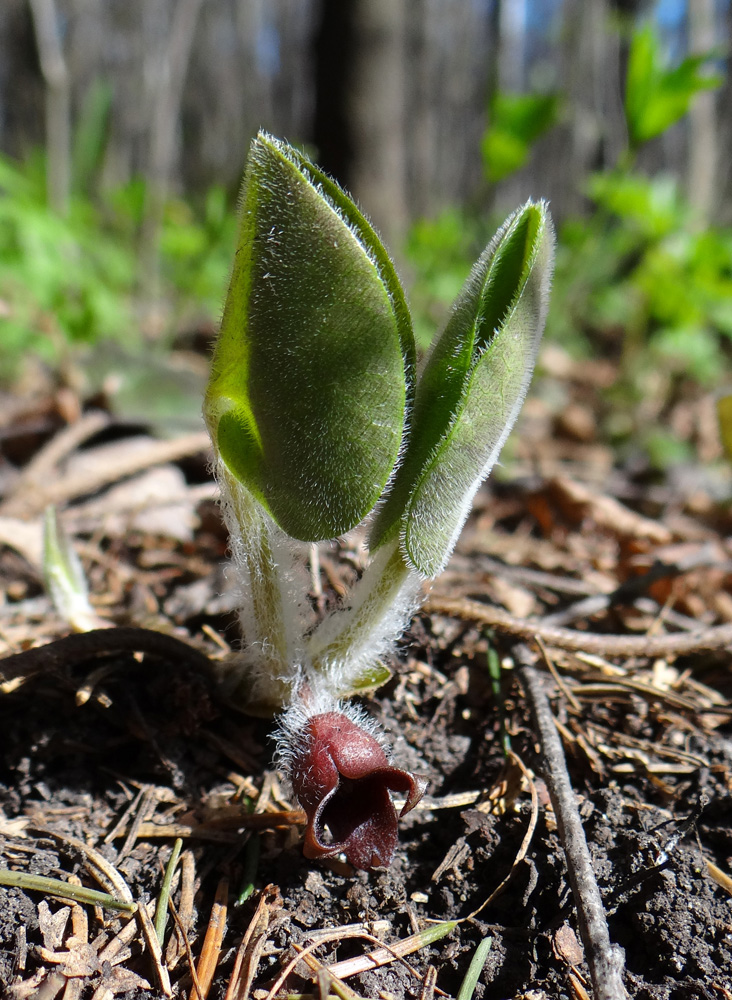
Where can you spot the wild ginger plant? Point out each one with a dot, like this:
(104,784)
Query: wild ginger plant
(319,422)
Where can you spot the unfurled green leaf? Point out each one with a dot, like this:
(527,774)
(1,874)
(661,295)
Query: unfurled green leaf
(477,963)
(314,363)
(471,390)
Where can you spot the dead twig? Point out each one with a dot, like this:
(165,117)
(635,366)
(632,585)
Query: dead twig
(325,979)
(183,916)
(386,953)
(59,491)
(70,649)
(604,959)
(636,586)
(44,464)
(383,954)
(525,843)
(58,102)
(187,948)
(704,640)
(104,872)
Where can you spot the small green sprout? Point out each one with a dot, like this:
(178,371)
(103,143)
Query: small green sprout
(319,422)
(64,576)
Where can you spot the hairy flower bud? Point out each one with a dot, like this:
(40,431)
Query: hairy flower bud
(343,779)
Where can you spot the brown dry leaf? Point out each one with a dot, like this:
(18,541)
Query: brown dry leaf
(25,537)
(28,987)
(13,827)
(100,467)
(578,422)
(722,605)
(151,939)
(211,950)
(177,943)
(52,925)
(514,549)
(578,989)
(587,371)
(82,959)
(720,877)
(566,946)
(119,980)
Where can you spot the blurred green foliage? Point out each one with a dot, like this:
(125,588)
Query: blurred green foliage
(76,279)
(639,275)
(657,96)
(440,251)
(516,122)
(638,280)
(61,279)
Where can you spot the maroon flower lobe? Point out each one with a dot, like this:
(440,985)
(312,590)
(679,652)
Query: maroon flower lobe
(343,779)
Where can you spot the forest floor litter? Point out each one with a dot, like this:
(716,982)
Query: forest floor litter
(582,597)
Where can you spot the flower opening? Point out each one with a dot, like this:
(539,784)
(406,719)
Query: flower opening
(343,780)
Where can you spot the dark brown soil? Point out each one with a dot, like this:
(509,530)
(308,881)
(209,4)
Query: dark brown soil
(647,743)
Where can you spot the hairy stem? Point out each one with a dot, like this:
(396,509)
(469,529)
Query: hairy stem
(269,611)
(345,647)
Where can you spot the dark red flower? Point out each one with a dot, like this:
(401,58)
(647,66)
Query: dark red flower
(343,779)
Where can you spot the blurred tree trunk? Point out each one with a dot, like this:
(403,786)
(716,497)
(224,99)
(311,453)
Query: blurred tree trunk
(511,54)
(394,93)
(508,76)
(592,134)
(332,132)
(171,65)
(450,61)
(703,151)
(58,103)
(724,165)
(378,105)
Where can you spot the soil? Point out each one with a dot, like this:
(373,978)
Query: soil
(647,744)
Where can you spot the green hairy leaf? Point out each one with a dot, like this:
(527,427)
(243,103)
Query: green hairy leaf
(314,363)
(471,390)
(317,422)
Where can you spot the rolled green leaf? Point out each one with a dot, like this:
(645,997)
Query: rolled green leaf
(314,362)
(471,391)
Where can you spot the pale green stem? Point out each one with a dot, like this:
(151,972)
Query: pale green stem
(348,643)
(269,611)
(264,585)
